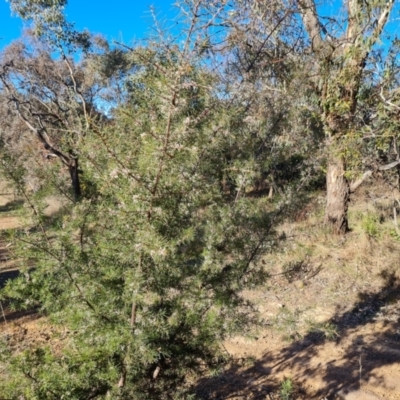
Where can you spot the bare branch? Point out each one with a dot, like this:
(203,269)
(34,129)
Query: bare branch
(381,21)
(40,135)
(77,91)
(388,102)
(311,22)
(355,185)
(353,26)
(389,166)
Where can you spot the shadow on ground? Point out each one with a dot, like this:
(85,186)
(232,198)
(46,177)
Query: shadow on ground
(11,206)
(359,357)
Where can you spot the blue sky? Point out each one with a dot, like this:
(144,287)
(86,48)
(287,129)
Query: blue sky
(121,20)
(125,20)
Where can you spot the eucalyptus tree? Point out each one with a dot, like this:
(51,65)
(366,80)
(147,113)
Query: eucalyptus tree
(56,99)
(341,53)
(49,23)
(320,74)
(49,98)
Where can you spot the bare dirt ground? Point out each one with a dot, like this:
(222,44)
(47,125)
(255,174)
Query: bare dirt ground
(361,362)
(330,313)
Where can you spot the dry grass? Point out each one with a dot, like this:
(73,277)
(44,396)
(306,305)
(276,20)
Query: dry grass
(329,300)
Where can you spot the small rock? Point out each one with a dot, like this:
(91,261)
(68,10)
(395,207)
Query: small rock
(299,285)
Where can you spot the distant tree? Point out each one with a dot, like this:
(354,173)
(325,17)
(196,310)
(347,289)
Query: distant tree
(265,68)
(56,100)
(49,23)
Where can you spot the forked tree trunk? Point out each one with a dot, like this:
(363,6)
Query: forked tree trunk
(338,195)
(340,61)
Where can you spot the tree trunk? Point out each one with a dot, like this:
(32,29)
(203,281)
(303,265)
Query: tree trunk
(338,195)
(341,61)
(74,173)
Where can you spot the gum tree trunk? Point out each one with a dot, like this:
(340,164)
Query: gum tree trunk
(339,63)
(338,193)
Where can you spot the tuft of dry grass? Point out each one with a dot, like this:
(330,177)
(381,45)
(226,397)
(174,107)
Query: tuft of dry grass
(315,274)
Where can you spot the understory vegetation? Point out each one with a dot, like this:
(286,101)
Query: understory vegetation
(174,161)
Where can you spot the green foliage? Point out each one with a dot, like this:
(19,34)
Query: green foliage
(287,389)
(327,330)
(287,322)
(50,24)
(146,271)
(369,224)
(394,234)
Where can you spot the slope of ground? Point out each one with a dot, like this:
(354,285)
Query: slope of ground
(330,311)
